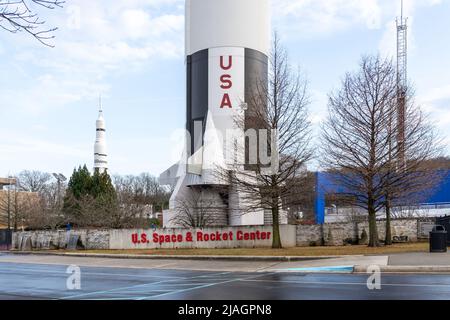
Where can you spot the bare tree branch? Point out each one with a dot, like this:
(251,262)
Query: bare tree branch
(360,143)
(278,106)
(18,16)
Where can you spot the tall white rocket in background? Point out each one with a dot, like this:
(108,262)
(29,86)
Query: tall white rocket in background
(100,152)
(227,48)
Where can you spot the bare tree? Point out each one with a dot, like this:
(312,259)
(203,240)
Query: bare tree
(33,181)
(31,212)
(134,205)
(360,146)
(42,200)
(354,141)
(51,205)
(143,191)
(151,192)
(18,16)
(409,178)
(279,108)
(16,206)
(7,211)
(197,211)
(301,199)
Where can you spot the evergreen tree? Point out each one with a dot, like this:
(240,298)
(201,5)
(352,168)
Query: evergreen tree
(90,200)
(79,186)
(80,183)
(102,187)
(105,197)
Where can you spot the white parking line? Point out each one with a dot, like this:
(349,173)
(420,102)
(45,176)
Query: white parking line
(198,287)
(126,288)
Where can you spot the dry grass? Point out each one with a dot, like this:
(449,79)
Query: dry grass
(299,251)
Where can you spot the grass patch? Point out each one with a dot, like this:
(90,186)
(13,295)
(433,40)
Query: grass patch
(298,251)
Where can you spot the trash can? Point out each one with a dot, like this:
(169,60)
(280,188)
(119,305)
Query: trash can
(438,239)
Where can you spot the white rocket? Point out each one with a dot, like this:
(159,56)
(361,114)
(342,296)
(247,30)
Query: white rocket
(100,152)
(227,46)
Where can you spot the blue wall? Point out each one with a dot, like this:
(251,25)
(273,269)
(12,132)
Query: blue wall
(319,201)
(441,194)
(325,184)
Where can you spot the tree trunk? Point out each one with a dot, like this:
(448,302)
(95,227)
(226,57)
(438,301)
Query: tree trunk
(276,239)
(356,232)
(388,238)
(16,211)
(373,232)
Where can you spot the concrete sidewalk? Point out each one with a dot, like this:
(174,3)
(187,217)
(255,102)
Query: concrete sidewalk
(394,263)
(210,263)
(173,257)
(422,262)
(419,259)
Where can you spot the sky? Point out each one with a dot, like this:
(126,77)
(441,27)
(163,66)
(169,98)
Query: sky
(132,53)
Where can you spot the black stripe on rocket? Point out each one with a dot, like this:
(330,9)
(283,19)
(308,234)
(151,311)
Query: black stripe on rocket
(256,66)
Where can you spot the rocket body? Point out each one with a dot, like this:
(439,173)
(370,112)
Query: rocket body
(100,150)
(227,44)
(227,48)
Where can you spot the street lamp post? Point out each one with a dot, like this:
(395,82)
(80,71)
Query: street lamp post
(60,178)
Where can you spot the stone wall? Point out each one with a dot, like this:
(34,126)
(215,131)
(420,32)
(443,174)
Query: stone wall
(335,234)
(309,235)
(338,234)
(232,237)
(53,240)
(399,229)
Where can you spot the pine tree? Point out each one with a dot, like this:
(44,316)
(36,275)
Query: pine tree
(79,187)
(81,183)
(102,188)
(90,200)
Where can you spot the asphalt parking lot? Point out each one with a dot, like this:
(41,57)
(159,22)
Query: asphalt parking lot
(49,281)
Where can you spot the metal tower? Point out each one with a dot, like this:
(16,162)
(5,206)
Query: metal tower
(402,83)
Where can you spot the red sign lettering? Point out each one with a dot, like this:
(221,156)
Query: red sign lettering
(226,102)
(226,82)
(230,63)
(200,236)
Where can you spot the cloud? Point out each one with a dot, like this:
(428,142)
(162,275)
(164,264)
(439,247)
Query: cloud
(315,18)
(17,147)
(436,94)
(109,38)
(34,98)
(436,102)
(319,101)
(311,18)
(388,42)
(97,41)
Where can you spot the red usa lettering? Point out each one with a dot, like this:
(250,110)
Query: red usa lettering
(226,82)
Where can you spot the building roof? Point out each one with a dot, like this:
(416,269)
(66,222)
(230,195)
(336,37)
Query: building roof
(7,182)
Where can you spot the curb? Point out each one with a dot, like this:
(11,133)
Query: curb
(329,269)
(175,257)
(405,269)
